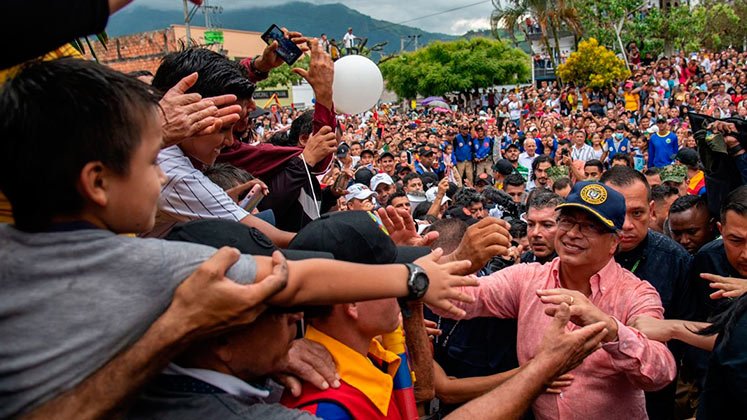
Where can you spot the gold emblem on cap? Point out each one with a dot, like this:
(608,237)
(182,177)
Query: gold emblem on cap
(593,194)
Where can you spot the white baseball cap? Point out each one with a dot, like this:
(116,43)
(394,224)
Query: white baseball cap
(359,191)
(379,179)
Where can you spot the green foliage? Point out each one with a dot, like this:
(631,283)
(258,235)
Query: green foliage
(593,65)
(283,76)
(460,65)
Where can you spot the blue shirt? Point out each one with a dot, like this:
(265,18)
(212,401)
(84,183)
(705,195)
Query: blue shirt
(623,147)
(463,148)
(482,147)
(661,149)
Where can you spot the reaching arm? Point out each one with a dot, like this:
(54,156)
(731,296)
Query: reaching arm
(205,303)
(456,391)
(664,330)
(560,351)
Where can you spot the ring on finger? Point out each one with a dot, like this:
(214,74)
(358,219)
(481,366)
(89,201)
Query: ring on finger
(571,302)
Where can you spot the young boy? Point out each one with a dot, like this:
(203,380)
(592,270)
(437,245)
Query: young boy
(78,149)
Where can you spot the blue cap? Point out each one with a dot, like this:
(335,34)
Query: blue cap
(604,203)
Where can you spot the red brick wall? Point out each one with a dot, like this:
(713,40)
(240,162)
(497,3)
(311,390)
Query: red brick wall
(141,51)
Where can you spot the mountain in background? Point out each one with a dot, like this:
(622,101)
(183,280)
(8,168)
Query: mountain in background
(310,19)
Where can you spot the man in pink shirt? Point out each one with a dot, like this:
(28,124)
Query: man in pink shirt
(610,383)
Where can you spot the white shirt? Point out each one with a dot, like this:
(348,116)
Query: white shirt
(189,195)
(514,110)
(526,161)
(584,153)
(230,384)
(348,39)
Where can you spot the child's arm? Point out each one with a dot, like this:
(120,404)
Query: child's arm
(324,282)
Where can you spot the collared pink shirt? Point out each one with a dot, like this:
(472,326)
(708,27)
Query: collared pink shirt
(609,384)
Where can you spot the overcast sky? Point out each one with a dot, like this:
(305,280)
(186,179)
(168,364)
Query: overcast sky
(455,22)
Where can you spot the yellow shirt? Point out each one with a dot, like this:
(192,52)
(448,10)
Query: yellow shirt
(357,371)
(631,101)
(6,213)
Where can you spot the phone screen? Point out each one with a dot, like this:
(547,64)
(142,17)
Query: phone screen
(287,50)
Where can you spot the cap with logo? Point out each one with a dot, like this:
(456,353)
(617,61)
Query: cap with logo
(599,200)
(426,151)
(342,150)
(358,191)
(379,179)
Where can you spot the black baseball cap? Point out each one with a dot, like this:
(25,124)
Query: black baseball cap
(367,152)
(385,154)
(426,151)
(248,240)
(342,150)
(512,146)
(363,176)
(688,157)
(354,236)
(503,167)
(258,113)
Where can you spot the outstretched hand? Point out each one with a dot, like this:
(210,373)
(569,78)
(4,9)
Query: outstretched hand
(564,350)
(484,240)
(402,229)
(727,287)
(190,115)
(445,284)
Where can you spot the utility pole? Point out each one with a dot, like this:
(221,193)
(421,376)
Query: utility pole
(188,14)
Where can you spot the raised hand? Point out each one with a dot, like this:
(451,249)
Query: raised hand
(445,284)
(727,287)
(484,240)
(402,228)
(582,311)
(320,74)
(189,114)
(320,145)
(269,58)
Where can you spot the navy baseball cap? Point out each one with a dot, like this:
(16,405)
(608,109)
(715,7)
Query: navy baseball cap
(601,201)
(354,236)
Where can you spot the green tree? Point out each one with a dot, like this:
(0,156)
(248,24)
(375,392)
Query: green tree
(593,65)
(454,66)
(283,76)
(552,16)
(600,17)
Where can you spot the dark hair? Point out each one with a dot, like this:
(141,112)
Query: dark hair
(623,176)
(409,177)
(544,200)
(625,158)
(217,74)
(541,159)
(467,196)
(279,138)
(518,229)
(561,183)
(688,202)
(421,210)
(661,192)
(514,179)
(226,175)
(736,201)
(57,117)
(397,194)
(139,73)
(450,233)
(651,171)
(595,163)
(303,125)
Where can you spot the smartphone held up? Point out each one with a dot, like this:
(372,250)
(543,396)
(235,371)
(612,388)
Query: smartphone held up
(287,50)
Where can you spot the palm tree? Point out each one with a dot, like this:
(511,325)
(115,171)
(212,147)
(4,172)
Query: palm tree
(551,16)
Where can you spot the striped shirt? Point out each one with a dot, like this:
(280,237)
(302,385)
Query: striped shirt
(585,153)
(189,195)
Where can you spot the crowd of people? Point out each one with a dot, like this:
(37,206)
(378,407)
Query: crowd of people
(541,252)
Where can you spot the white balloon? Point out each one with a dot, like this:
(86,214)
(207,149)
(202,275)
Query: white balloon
(357,86)
(653,129)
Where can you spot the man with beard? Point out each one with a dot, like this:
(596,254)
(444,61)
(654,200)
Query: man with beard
(512,155)
(542,227)
(540,165)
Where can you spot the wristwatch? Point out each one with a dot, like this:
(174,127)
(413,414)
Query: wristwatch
(257,73)
(417,283)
